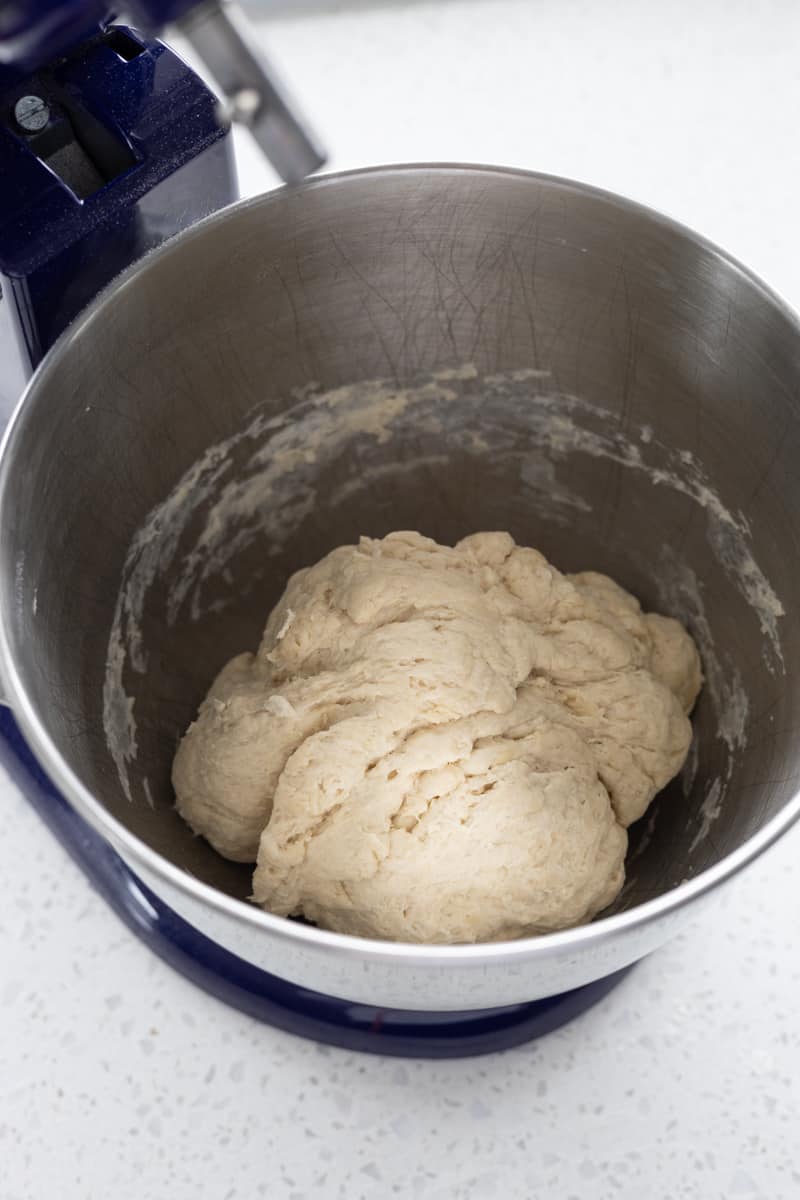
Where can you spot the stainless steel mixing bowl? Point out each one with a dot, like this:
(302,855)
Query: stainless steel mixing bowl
(583,372)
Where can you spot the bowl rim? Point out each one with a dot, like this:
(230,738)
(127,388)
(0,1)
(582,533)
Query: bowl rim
(108,826)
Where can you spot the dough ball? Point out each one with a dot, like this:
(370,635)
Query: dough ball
(437,744)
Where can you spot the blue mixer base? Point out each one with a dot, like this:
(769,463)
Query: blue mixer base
(405,1033)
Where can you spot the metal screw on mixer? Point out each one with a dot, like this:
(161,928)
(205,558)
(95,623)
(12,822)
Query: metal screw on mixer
(31,113)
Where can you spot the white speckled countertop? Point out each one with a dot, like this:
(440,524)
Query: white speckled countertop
(117,1077)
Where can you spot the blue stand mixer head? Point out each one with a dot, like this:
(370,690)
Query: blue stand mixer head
(114,144)
(37,32)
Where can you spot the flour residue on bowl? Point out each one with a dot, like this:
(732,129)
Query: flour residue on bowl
(683,594)
(119,723)
(710,810)
(264,482)
(259,482)
(560,424)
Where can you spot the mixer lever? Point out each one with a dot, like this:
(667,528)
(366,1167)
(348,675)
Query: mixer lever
(221,36)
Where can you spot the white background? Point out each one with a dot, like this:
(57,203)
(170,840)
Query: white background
(117,1077)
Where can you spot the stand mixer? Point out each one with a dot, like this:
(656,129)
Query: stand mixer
(110,145)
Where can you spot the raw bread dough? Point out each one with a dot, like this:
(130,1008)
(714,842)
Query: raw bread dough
(438,744)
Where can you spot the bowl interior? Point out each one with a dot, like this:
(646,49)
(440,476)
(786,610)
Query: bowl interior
(437,349)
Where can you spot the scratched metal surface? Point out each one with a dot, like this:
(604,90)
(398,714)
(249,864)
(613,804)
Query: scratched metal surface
(395,275)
